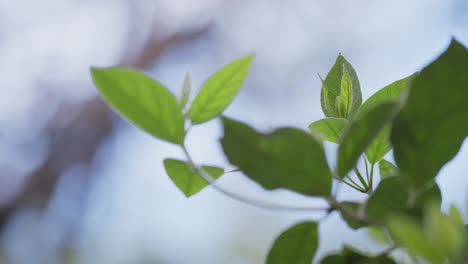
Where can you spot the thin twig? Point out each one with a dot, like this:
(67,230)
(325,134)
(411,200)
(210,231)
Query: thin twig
(250,201)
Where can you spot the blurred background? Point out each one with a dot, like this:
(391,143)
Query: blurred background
(80,185)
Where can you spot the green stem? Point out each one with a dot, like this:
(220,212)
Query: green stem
(371,183)
(361,179)
(367,170)
(356,186)
(247,200)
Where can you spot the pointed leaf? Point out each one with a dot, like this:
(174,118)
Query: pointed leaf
(391,92)
(330,129)
(346,93)
(431,127)
(219,90)
(379,146)
(185,90)
(287,158)
(143,101)
(456,215)
(361,133)
(331,88)
(387,169)
(297,245)
(186,179)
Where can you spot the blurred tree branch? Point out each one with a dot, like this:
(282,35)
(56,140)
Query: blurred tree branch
(78,139)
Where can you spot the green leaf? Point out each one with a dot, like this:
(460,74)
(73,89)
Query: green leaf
(407,232)
(431,127)
(219,90)
(186,179)
(350,255)
(378,234)
(387,169)
(383,202)
(361,133)
(330,129)
(297,245)
(379,146)
(456,215)
(287,158)
(185,90)
(346,92)
(389,93)
(444,234)
(337,83)
(143,101)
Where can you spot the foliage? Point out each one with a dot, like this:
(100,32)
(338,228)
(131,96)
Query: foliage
(423,117)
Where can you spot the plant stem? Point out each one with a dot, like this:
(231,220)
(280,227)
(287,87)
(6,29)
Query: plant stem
(367,170)
(247,200)
(361,179)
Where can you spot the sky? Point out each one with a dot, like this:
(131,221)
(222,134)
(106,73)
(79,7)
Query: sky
(133,209)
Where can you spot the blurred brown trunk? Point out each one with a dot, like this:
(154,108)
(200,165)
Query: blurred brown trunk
(77,140)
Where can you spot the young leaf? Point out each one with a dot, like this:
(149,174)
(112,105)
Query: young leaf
(185,179)
(298,245)
(219,90)
(143,101)
(431,127)
(387,169)
(185,90)
(346,93)
(329,129)
(287,158)
(361,133)
(332,88)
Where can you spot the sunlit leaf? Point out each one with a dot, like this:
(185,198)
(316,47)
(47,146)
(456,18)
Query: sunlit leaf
(287,158)
(387,169)
(297,245)
(186,179)
(143,101)
(332,88)
(329,129)
(219,90)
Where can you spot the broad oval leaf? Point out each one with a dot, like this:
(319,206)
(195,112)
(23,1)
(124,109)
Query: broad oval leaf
(297,245)
(287,158)
(143,101)
(186,179)
(387,169)
(431,127)
(329,129)
(361,133)
(333,86)
(219,90)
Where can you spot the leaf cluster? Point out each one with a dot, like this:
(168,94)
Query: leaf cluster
(423,118)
